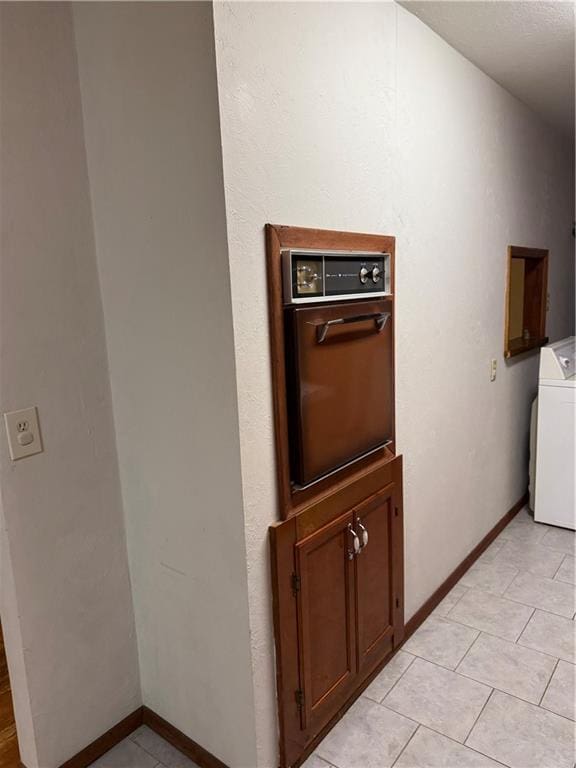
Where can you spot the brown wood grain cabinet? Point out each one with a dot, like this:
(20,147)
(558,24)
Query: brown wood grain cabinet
(338,609)
(337,552)
(378,593)
(325,593)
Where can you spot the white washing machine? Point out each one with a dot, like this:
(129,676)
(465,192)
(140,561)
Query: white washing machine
(554,479)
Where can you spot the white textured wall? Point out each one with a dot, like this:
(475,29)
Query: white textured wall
(66,601)
(307,113)
(356,116)
(148,80)
(477,171)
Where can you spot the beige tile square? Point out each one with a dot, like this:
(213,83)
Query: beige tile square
(490,553)
(441,641)
(368,736)
(164,752)
(428,749)
(560,539)
(550,634)
(436,697)
(391,673)
(534,558)
(560,696)
(450,600)
(566,571)
(547,594)
(509,667)
(492,614)
(127,754)
(490,577)
(524,531)
(522,735)
(525,516)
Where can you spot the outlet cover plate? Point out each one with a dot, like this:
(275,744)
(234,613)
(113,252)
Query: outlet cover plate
(23,431)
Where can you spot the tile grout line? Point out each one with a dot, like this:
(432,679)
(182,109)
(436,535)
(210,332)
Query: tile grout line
(400,678)
(500,637)
(454,741)
(406,745)
(548,684)
(560,566)
(437,663)
(530,704)
(518,574)
(506,693)
(468,649)
(526,624)
(478,717)
(424,725)
(428,661)
(444,736)
(538,608)
(544,653)
(159,763)
(486,685)
(466,590)
(466,654)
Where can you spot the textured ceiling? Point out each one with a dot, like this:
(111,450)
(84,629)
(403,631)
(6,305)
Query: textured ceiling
(527,47)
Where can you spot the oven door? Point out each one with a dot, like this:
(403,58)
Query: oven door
(340,384)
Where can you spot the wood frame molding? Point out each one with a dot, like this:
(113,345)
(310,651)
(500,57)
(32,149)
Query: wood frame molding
(278,238)
(538,256)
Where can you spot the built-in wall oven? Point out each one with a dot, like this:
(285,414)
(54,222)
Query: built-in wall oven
(340,359)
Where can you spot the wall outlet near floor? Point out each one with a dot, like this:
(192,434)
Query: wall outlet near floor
(493,369)
(23,431)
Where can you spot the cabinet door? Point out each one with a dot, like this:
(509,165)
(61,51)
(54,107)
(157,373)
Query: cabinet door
(375,521)
(326,608)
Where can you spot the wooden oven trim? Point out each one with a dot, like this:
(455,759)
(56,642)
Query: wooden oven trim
(278,238)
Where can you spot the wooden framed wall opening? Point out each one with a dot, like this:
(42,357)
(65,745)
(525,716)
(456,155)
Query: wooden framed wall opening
(290,499)
(526,299)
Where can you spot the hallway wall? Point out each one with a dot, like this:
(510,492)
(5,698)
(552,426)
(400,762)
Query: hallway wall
(149,93)
(356,116)
(66,602)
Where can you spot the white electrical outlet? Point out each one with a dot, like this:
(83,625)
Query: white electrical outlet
(493,369)
(23,432)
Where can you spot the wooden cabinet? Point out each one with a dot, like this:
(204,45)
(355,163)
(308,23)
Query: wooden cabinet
(325,593)
(338,608)
(378,595)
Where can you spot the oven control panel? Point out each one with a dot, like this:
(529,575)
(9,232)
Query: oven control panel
(311,276)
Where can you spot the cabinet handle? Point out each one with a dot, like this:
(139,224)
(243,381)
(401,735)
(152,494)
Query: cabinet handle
(363,533)
(356,548)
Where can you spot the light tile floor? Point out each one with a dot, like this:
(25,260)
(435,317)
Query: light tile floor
(144,749)
(486,681)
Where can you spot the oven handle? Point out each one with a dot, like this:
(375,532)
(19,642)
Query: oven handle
(380,319)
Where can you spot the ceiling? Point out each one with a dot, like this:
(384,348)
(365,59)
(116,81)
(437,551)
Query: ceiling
(527,47)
